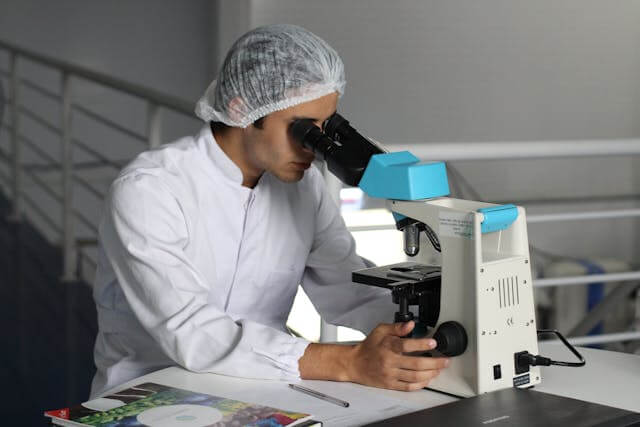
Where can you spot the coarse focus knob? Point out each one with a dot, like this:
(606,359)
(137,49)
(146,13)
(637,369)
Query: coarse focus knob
(451,338)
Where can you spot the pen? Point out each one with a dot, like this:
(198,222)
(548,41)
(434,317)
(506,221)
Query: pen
(319,395)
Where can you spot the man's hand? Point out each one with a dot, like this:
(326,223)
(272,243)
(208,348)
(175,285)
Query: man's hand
(378,361)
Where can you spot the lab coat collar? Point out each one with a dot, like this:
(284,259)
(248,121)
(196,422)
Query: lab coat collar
(222,162)
(218,157)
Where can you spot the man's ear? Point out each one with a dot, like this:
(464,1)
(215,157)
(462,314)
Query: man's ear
(259,124)
(236,109)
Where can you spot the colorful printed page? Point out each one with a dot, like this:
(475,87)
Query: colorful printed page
(152,404)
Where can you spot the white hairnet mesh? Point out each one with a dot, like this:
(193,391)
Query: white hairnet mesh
(268,69)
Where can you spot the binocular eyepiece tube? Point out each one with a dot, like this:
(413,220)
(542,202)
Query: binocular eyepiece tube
(346,152)
(312,137)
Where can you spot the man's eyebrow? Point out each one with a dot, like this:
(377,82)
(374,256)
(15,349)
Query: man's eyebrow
(314,119)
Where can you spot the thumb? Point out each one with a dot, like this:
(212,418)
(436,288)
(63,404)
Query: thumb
(401,329)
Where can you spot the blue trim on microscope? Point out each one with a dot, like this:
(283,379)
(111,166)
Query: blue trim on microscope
(401,176)
(498,218)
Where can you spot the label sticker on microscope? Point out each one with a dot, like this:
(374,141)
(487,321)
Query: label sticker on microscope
(456,224)
(521,380)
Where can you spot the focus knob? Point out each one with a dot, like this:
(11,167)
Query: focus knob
(451,338)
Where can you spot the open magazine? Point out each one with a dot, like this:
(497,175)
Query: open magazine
(151,404)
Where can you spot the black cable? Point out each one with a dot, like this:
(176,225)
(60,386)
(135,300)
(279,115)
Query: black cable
(526,358)
(433,237)
(568,345)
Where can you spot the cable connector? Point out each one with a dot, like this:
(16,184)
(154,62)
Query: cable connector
(526,358)
(523,359)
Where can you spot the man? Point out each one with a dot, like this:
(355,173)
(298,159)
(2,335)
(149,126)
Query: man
(204,241)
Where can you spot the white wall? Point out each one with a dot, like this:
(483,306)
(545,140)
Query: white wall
(164,45)
(418,71)
(493,70)
(498,70)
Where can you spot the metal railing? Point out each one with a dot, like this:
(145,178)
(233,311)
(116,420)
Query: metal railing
(63,129)
(157,102)
(510,150)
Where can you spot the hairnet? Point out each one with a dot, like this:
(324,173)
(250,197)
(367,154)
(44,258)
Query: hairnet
(268,69)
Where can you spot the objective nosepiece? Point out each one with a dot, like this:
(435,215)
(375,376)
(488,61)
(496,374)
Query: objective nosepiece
(411,240)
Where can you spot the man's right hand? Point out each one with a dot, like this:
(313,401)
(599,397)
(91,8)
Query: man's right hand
(381,360)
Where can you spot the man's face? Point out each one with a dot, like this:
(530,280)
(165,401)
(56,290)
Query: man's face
(274,150)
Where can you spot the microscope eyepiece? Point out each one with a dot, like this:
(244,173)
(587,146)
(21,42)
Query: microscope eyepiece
(346,152)
(339,129)
(333,123)
(311,137)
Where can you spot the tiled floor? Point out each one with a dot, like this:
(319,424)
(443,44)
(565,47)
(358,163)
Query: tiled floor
(48,328)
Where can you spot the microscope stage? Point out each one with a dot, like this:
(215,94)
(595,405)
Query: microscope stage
(390,276)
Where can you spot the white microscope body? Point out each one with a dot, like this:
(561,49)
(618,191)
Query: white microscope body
(487,287)
(483,287)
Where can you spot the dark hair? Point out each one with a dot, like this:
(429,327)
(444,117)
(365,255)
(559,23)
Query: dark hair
(221,127)
(259,123)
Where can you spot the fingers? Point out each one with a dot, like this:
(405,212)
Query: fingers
(387,363)
(395,329)
(410,376)
(405,386)
(409,345)
(403,379)
(417,363)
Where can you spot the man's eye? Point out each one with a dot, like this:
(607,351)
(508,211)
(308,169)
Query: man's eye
(326,122)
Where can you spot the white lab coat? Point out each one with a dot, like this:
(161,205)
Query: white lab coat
(199,271)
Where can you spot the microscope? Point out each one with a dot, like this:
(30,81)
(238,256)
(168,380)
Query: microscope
(478,302)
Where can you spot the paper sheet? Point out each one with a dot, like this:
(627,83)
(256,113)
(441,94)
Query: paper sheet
(365,404)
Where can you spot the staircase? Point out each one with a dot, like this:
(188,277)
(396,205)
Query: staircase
(48,327)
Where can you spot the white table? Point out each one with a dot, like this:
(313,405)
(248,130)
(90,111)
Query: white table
(608,378)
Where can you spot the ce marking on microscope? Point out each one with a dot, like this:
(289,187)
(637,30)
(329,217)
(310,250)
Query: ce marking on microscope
(510,321)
